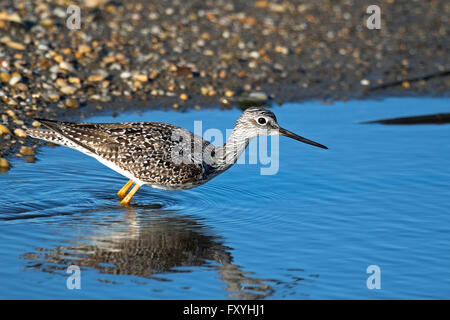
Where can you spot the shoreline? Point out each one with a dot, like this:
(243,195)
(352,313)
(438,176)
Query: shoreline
(176,56)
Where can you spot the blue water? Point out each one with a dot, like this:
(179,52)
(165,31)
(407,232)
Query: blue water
(379,196)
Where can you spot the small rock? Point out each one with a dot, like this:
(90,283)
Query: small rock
(261,4)
(5,77)
(43,47)
(125,75)
(27,151)
(137,85)
(68,90)
(22,87)
(254,55)
(140,77)
(365,82)
(282,50)
(65,66)
(36,123)
(54,69)
(4,164)
(46,23)
(15,45)
(53,96)
(60,82)
(84,48)
(4,130)
(93,3)
(96,77)
(184,96)
(14,80)
(258,96)
(10,113)
(60,13)
(72,103)
(153,75)
(204,91)
(74,80)
(14,17)
(208,52)
(20,133)
(229,93)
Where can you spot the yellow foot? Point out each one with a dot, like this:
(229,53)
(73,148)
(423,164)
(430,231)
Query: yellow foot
(130,195)
(122,192)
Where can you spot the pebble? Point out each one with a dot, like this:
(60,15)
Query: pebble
(14,17)
(229,93)
(204,91)
(4,130)
(258,96)
(27,151)
(125,75)
(74,80)
(43,47)
(15,45)
(64,66)
(140,77)
(20,133)
(96,78)
(84,49)
(61,82)
(365,82)
(282,50)
(53,96)
(68,90)
(5,77)
(22,87)
(11,113)
(208,52)
(54,69)
(71,103)
(14,80)
(4,164)
(60,13)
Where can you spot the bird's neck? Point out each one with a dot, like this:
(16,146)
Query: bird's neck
(227,155)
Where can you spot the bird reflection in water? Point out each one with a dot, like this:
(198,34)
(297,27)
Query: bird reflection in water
(147,242)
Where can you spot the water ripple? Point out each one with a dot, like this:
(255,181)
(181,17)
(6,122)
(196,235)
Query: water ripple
(377,196)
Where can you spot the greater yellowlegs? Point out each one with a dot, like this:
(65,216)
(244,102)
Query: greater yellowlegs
(158,154)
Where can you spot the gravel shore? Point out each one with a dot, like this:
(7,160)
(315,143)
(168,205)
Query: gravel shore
(181,54)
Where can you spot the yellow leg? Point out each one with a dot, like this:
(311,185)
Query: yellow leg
(130,195)
(122,192)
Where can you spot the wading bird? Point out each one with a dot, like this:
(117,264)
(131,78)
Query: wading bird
(158,154)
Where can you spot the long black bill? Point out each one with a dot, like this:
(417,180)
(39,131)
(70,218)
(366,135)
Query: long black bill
(292,135)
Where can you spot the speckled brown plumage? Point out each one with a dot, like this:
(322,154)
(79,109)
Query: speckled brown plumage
(143,149)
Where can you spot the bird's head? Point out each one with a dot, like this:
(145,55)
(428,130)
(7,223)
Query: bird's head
(258,121)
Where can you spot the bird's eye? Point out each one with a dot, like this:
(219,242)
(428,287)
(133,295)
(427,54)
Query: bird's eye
(261,120)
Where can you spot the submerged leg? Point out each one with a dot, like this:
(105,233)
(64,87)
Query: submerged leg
(122,192)
(130,195)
